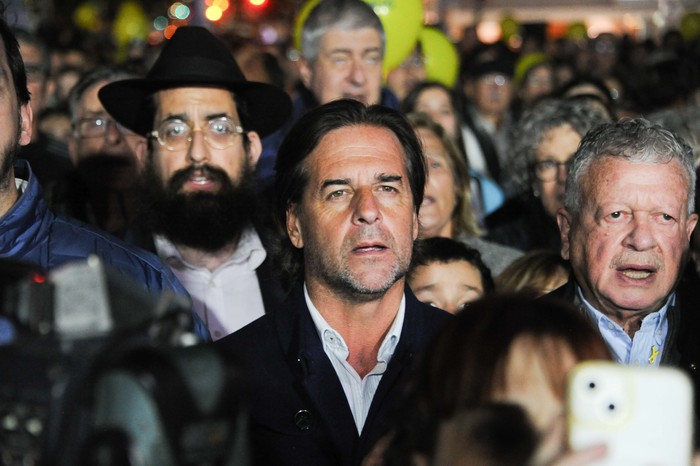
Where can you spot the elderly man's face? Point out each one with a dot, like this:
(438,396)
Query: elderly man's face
(629,242)
(96,133)
(348,66)
(356,221)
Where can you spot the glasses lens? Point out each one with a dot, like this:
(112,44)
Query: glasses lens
(92,127)
(174,135)
(221,132)
(548,170)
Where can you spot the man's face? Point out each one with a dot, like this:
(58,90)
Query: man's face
(96,133)
(356,221)
(197,107)
(348,66)
(629,242)
(557,147)
(16,130)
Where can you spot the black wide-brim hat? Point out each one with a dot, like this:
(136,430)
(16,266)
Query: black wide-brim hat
(194,57)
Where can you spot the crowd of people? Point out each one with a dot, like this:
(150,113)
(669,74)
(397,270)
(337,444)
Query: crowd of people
(322,219)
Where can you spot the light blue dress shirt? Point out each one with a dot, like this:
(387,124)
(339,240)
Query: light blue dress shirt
(647,346)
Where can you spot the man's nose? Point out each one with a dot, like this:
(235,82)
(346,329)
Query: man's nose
(198,151)
(640,236)
(113,134)
(358,74)
(366,209)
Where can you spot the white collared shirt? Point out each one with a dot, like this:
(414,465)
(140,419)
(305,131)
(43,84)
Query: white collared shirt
(647,346)
(359,392)
(228,298)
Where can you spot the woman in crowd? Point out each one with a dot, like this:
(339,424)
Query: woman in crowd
(546,138)
(447,208)
(504,349)
(441,105)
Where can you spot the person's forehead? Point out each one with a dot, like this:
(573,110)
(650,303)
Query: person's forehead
(356,40)
(357,147)
(89,99)
(608,172)
(210,97)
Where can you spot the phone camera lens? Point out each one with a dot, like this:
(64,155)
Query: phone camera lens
(611,407)
(591,385)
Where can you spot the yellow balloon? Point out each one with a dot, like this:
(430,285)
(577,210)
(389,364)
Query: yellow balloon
(402,21)
(301,19)
(131,22)
(441,57)
(87,16)
(690,25)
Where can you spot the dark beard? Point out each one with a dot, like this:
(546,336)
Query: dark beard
(204,221)
(8,155)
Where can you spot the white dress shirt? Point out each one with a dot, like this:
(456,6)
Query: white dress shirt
(228,298)
(358,391)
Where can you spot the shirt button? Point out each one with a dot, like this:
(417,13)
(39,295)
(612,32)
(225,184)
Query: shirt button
(212,284)
(610,325)
(303,419)
(217,334)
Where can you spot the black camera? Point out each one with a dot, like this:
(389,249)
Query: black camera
(97,371)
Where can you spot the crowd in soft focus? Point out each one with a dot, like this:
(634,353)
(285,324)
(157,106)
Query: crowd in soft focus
(305,205)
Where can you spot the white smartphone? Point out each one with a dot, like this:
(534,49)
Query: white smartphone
(643,415)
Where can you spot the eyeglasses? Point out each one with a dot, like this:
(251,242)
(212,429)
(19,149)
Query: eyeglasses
(176,135)
(548,170)
(95,127)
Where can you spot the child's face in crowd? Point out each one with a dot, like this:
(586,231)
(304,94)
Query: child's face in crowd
(448,286)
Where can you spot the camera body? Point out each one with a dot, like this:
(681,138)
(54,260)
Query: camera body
(100,372)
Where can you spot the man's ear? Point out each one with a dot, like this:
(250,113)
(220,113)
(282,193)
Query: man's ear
(294,226)
(141,152)
(25,124)
(692,222)
(254,147)
(305,71)
(564,221)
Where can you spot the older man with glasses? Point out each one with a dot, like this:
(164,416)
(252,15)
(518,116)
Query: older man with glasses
(204,122)
(94,131)
(106,160)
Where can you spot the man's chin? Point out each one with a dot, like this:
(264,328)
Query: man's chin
(637,302)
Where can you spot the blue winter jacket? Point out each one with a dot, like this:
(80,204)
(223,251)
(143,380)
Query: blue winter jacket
(31,233)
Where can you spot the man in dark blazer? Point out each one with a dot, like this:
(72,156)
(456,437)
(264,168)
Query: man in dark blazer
(626,224)
(325,368)
(204,123)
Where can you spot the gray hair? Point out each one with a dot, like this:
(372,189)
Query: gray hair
(635,140)
(538,121)
(347,15)
(103,73)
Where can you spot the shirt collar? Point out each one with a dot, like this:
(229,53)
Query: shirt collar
(249,252)
(598,316)
(388,346)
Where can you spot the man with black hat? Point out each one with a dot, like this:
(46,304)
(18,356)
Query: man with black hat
(204,122)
